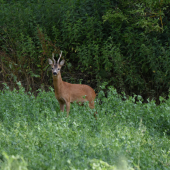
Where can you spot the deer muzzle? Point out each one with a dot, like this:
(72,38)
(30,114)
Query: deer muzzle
(54,73)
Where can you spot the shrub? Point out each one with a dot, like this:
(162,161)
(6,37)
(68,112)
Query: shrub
(120,42)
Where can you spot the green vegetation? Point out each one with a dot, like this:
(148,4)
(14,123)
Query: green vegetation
(125,43)
(34,134)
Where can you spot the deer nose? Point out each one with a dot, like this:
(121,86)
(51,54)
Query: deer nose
(54,73)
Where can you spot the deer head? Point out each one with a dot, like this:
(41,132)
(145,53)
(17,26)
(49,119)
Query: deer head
(56,67)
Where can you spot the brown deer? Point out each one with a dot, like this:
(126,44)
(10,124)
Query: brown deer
(67,93)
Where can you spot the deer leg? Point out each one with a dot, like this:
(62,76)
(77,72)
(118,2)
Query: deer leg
(61,106)
(91,105)
(68,108)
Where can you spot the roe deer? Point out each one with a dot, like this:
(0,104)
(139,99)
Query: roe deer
(67,93)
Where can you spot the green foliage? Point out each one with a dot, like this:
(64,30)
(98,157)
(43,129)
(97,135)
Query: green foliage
(13,163)
(35,134)
(125,43)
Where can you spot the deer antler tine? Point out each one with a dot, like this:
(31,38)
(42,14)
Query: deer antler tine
(53,58)
(59,57)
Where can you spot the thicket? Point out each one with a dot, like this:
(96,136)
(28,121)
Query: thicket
(125,43)
(129,136)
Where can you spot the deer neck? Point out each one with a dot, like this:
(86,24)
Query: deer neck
(57,81)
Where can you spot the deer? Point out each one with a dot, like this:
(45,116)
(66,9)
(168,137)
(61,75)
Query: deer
(67,93)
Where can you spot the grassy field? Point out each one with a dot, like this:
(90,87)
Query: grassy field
(34,134)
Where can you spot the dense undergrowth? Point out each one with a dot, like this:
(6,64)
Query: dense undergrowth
(122,42)
(34,134)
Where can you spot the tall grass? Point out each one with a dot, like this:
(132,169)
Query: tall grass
(34,134)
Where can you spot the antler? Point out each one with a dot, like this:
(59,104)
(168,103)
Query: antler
(59,57)
(53,58)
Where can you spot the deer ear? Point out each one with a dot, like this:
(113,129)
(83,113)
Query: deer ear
(62,62)
(50,61)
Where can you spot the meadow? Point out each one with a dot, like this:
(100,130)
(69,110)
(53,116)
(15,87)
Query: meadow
(127,135)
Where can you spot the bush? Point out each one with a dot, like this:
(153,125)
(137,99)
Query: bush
(120,42)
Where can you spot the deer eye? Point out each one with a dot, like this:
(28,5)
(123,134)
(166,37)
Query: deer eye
(58,69)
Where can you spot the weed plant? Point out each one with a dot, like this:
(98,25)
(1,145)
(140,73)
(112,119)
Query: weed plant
(34,134)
